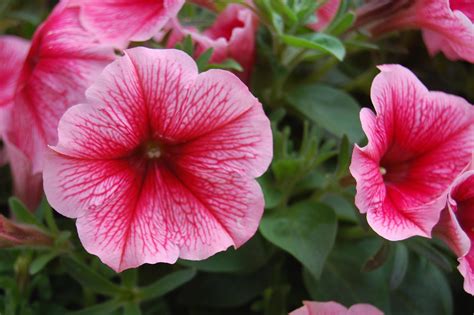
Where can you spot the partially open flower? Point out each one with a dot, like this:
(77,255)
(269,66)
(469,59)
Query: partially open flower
(456,225)
(447,25)
(160,162)
(333,308)
(231,36)
(13,51)
(13,234)
(62,62)
(120,21)
(418,143)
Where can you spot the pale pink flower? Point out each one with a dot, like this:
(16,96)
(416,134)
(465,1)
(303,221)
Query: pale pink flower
(447,26)
(325,14)
(418,143)
(456,225)
(231,36)
(62,62)
(333,308)
(160,162)
(121,21)
(13,51)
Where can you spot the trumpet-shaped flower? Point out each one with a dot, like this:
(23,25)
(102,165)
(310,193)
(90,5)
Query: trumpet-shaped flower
(13,52)
(333,308)
(456,225)
(62,62)
(120,21)
(418,143)
(231,36)
(447,26)
(160,162)
(325,14)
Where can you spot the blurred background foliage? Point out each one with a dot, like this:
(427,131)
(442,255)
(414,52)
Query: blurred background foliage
(312,243)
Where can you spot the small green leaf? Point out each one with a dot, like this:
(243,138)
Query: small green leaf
(99,309)
(167,284)
(332,109)
(132,308)
(129,277)
(343,23)
(40,262)
(317,41)
(89,278)
(424,248)
(306,230)
(21,213)
(203,60)
(228,64)
(344,157)
(400,265)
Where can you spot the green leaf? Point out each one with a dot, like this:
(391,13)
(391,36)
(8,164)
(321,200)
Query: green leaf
(228,64)
(167,284)
(424,290)
(344,157)
(132,308)
(332,109)
(247,258)
(344,209)
(343,23)
(99,309)
(89,278)
(400,265)
(40,262)
(272,195)
(203,60)
(129,277)
(306,230)
(286,169)
(424,248)
(21,213)
(344,281)
(317,41)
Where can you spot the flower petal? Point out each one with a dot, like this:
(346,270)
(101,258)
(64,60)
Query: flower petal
(325,14)
(63,60)
(120,21)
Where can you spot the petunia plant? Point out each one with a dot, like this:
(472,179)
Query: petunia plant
(273,157)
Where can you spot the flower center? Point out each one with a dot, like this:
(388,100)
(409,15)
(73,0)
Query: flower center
(152,150)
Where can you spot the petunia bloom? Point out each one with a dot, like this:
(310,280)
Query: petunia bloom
(62,62)
(121,21)
(447,26)
(456,225)
(231,36)
(333,308)
(13,234)
(160,162)
(13,51)
(418,143)
(325,14)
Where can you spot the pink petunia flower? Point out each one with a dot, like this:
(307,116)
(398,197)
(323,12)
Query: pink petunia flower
(121,21)
(160,162)
(63,61)
(333,308)
(456,225)
(419,142)
(325,14)
(231,36)
(13,51)
(447,26)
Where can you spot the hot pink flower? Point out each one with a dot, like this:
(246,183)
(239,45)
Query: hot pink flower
(456,225)
(160,163)
(447,26)
(62,62)
(231,36)
(333,308)
(121,21)
(13,52)
(419,142)
(325,14)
